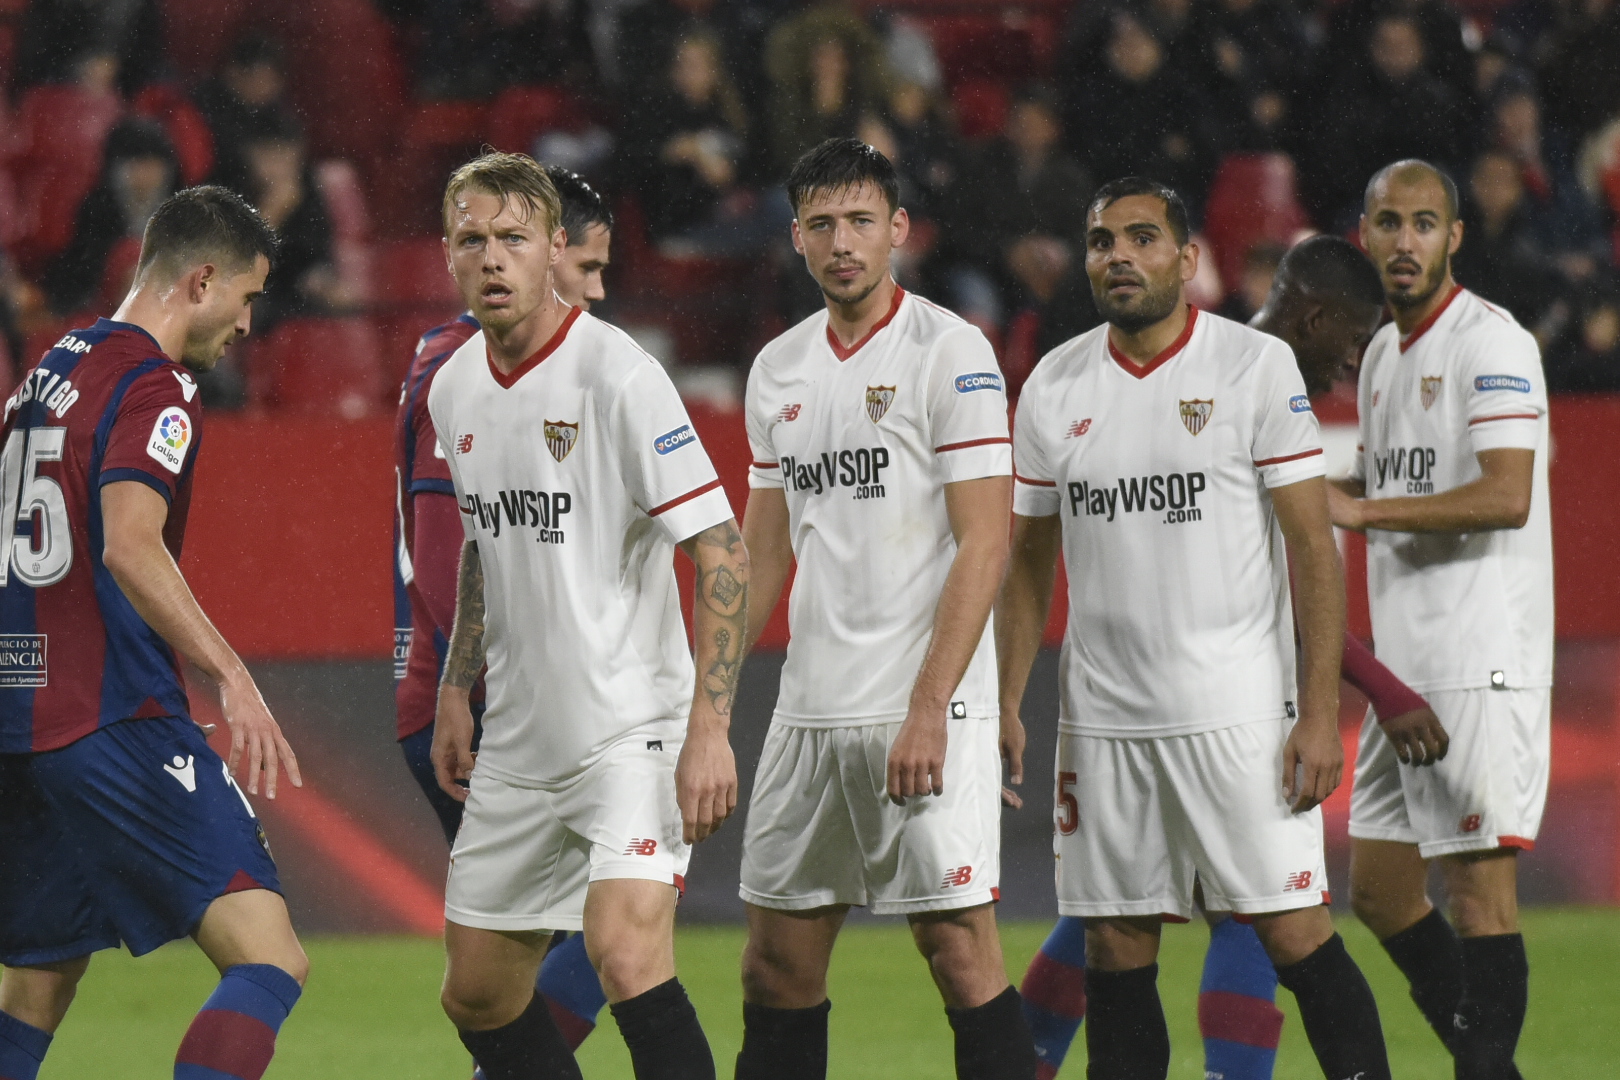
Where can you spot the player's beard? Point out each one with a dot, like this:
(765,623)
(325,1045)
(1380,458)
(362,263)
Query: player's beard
(842,300)
(1132,314)
(1431,280)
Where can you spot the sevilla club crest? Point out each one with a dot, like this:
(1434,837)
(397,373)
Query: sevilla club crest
(560,437)
(878,400)
(1195,414)
(1428,390)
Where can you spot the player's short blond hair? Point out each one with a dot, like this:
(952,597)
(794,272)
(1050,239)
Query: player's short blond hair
(515,177)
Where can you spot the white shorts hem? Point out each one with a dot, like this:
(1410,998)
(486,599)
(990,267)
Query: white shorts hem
(510,923)
(1272,905)
(1122,909)
(796,903)
(1437,848)
(977,898)
(1392,836)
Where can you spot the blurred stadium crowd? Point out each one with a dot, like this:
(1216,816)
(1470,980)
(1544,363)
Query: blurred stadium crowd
(341,118)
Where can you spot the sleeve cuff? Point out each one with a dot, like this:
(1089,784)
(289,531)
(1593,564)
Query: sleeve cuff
(438,487)
(765,474)
(1513,431)
(690,514)
(113,476)
(1292,468)
(976,459)
(1036,500)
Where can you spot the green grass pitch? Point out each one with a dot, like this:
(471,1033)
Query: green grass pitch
(371,1010)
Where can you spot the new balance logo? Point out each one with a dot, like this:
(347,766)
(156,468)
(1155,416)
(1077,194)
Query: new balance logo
(1078,428)
(641,847)
(1470,823)
(183,770)
(1299,882)
(789,413)
(961,875)
(464,444)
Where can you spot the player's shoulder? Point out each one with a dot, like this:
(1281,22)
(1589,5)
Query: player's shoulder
(610,357)
(928,322)
(440,342)
(794,344)
(1482,327)
(1069,358)
(1236,345)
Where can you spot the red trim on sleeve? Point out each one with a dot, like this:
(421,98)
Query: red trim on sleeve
(1289,457)
(688,497)
(1143,371)
(1034,483)
(971,442)
(1518,843)
(1505,416)
(767,464)
(843,353)
(1434,317)
(506,381)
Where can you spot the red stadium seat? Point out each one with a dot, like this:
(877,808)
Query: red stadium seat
(1254,198)
(58,137)
(198,33)
(981,107)
(411,273)
(318,366)
(522,114)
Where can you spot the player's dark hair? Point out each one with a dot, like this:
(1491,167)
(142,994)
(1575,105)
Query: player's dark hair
(1175,211)
(840,165)
(1407,169)
(206,224)
(1329,266)
(582,205)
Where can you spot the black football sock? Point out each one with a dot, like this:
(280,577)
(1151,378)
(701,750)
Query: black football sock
(783,1044)
(993,1040)
(661,1029)
(529,1048)
(1126,1037)
(1340,1016)
(1493,1006)
(1430,955)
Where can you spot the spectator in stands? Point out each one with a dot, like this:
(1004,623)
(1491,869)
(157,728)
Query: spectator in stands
(1353,28)
(471,49)
(138,172)
(646,33)
(248,94)
(119,45)
(1259,268)
(827,69)
(1579,75)
(1564,220)
(1587,358)
(927,152)
(1259,55)
(1501,258)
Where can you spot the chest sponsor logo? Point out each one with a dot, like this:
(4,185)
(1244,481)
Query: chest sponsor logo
(22,660)
(171,437)
(878,400)
(860,469)
(1429,390)
(561,437)
(671,441)
(1412,466)
(978,380)
(1175,495)
(1078,428)
(541,511)
(789,413)
(1195,414)
(1502,382)
(464,444)
(1299,403)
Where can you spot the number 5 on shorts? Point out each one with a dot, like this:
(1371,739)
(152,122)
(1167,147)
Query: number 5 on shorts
(1068,810)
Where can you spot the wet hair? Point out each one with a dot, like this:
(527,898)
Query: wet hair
(1408,169)
(842,165)
(1329,267)
(582,205)
(1175,211)
(207,224)
(515,177)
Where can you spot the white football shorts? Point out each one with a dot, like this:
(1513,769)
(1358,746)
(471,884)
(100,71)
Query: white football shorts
(1488,792)
(822,829)
(525,855)
(1136,820)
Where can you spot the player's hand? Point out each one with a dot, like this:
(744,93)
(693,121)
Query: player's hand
(255,731)
(1345,510)
(917,759)
(452,753)
(1419,737)
(705,782)
(1313,763)
(1012,752)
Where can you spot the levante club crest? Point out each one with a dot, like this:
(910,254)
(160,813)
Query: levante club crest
(1195,414)
(878,400)
(560,438)
(1429,389)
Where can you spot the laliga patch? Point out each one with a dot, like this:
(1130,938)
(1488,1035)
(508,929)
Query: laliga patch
(978,380)
(671,441)
(1502,382)
(22,660)
(1299,403)
(171,438)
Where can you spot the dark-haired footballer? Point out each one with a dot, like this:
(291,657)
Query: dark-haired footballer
(118,824)
(882,468)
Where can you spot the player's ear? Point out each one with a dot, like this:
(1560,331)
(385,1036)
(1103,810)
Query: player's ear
(899,228)
(1456,237)
(449,264)
(798,240)
(1189,261)
(559,244)
(1361,232)
(200,280)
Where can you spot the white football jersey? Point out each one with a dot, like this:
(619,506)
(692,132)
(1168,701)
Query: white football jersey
(863,442)
(1454,611)
(1179,610)
(576,474)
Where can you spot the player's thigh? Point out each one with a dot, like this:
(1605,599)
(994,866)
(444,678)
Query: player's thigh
(1482,888)
(160,827)
(800,851)
(630,934)
(1115,854)
(515,867)
(489,974)
(1388,885)
(251,927)
(39,995)
(784,963)
(1254,854)
(1378,808)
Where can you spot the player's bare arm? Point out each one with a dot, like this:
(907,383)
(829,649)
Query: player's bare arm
(1021,613)
(706,774)
(1499,499)
(1313,759)
(453,722)
(769,540)
(978,511)
(133,516)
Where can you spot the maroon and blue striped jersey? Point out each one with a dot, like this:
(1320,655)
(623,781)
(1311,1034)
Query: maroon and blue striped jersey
(103,405)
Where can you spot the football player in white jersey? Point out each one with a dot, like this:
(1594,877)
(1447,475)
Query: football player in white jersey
(1174,457)
(1451,488)
(882,469)
(602,759)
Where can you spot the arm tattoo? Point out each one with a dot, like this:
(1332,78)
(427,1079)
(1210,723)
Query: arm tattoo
(465,657)
(719,624)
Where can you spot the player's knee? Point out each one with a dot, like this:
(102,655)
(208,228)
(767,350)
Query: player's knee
(1119,945)
(476,1005)
(775,977)
(1292,936)
(1480,914)
(296,964)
